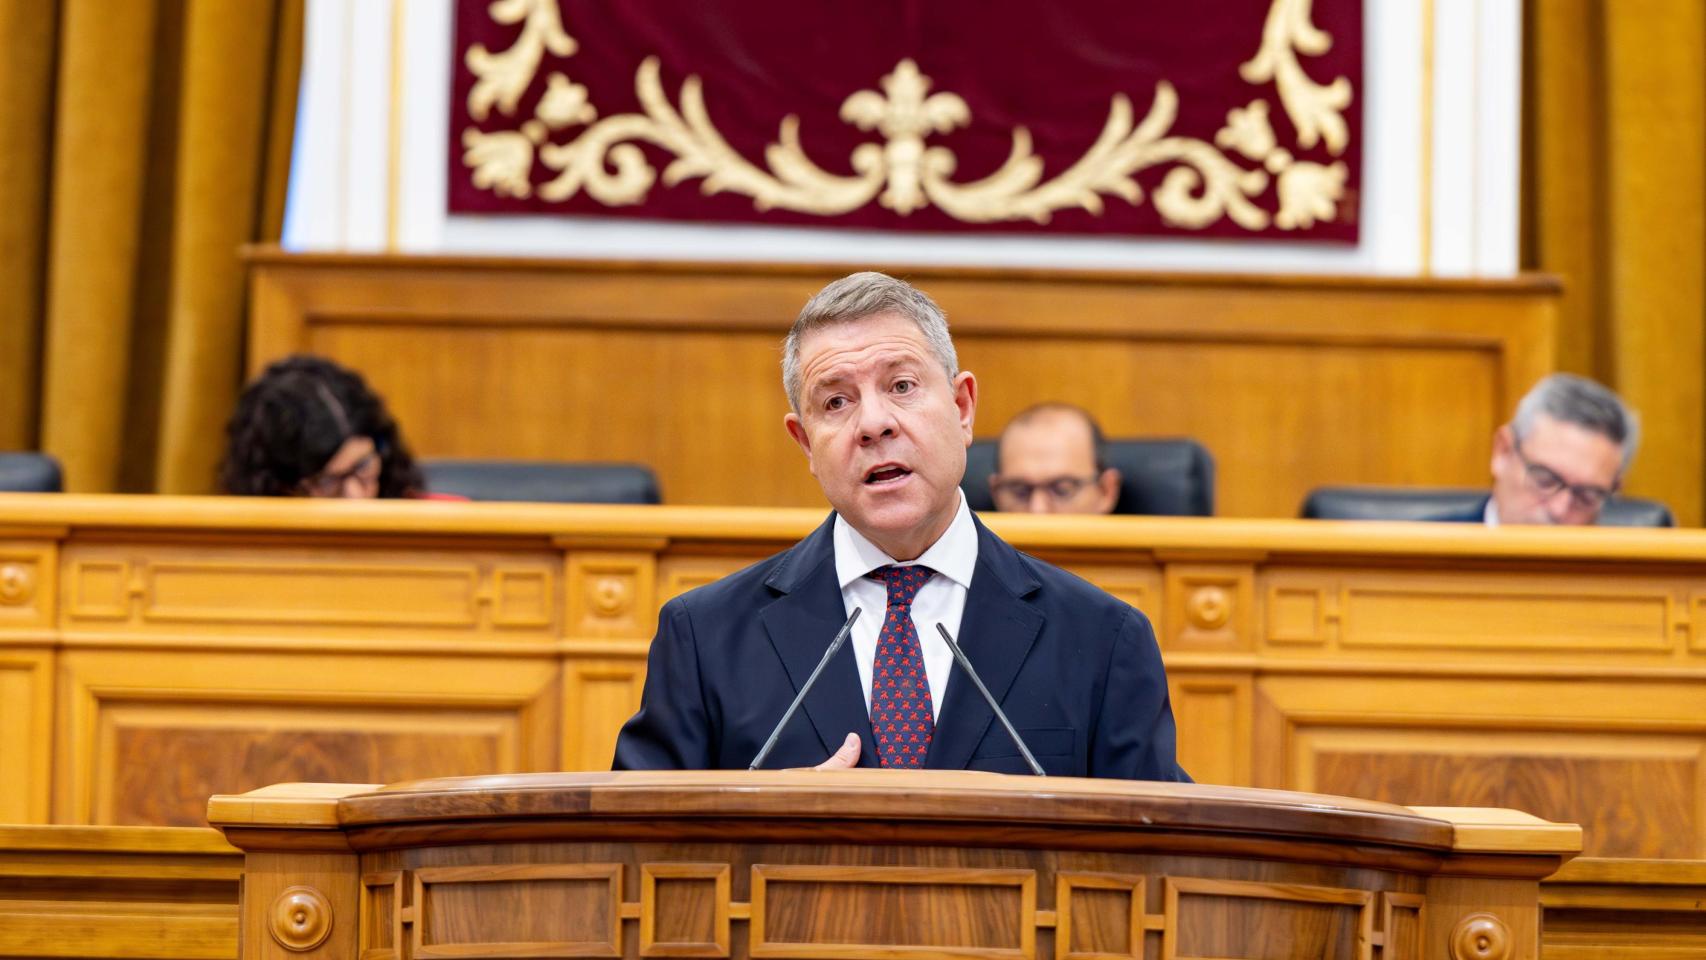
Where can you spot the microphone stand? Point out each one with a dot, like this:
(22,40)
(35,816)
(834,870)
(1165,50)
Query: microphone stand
(834,645)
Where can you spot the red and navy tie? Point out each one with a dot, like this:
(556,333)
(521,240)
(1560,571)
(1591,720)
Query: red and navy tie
(901,716)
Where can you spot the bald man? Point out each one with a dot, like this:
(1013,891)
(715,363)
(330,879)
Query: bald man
(1052,459)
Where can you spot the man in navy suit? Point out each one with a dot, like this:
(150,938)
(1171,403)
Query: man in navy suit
(884,416)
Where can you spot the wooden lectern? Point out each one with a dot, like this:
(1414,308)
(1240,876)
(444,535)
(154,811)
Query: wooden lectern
(889,865)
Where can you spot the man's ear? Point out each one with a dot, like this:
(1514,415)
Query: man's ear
(1504,444)
(796,429)
(965,399)
(1109,484)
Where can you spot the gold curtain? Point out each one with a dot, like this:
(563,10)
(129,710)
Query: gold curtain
(146,141)
(1615,203)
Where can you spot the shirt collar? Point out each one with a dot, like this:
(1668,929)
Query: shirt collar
(1490,516)
(953,555)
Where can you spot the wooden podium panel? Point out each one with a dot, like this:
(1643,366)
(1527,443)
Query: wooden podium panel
(884,864)
(161,649)
(1292,382)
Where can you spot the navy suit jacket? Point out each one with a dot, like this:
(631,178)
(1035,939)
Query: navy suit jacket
(1077,671)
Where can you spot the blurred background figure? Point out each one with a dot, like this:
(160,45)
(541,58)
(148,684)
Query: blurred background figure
(307,427)
(1562,456)
(1053,459)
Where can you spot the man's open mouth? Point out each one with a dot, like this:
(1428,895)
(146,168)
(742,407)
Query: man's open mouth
(888,473)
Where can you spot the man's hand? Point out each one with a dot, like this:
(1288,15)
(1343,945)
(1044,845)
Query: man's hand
(844,759)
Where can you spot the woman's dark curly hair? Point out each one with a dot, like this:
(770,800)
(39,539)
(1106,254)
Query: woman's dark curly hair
(291,420)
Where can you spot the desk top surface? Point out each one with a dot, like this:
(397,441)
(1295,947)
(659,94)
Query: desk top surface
(57,515)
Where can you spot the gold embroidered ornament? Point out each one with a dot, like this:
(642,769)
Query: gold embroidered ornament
(902,173)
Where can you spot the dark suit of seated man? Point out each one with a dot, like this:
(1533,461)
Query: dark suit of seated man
(884,416)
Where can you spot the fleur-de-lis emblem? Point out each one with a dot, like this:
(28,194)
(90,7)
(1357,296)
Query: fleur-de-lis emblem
(904,114)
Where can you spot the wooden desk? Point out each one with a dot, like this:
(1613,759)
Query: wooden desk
(155,651)
(928,865)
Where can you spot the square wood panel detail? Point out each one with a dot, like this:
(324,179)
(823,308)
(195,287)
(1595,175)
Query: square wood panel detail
(1300,614)
(1208,608)
(28,578)
(1098,916)
(612,594)
(1402,926)
(1442,610)
(550,910)
(852,913)
(1209,918)
(1138,586)
(1212,714)
(681,574)
(385,591)
(381,916)
(684,910)
(599,695)
(26,734)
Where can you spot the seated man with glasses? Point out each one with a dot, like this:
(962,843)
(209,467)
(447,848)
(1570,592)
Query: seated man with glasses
(1561,457)
(1052,459)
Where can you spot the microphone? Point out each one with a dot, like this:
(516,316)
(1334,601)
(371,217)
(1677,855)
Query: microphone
(960,658)
(834,645)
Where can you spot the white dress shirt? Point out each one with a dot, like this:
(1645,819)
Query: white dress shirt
(1489,516)
(941,600)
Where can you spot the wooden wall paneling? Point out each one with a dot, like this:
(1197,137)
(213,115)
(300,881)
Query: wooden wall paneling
(145,738)
(231,587)
(666,363)
(26,733)
(600,693)
(1625,760)
(1596,615)
(1213,714)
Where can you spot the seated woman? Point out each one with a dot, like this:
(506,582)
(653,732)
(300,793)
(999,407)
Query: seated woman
(307,427)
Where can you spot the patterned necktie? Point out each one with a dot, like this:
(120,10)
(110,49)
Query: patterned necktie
(901,716)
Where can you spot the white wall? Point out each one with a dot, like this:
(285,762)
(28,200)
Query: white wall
(1439,186)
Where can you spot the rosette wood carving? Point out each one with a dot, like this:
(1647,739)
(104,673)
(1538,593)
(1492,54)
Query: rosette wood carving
(1480,936)
(301,919)
(902,172)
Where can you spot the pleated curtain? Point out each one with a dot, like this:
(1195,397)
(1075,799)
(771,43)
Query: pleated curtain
(144,143)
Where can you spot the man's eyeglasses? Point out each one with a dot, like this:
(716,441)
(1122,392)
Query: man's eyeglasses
(1547,483)
(1060,489)
(326,484)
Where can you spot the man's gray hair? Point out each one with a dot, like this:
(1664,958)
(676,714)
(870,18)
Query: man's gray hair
(859,296)
(1568,398)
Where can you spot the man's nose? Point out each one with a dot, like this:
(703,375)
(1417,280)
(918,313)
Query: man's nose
(1560,505)
(876,421)
(1041,500)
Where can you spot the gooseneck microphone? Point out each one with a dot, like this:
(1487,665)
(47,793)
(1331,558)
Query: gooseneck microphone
(960,658)
(834,645)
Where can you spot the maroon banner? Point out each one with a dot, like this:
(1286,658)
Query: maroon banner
(1220,118)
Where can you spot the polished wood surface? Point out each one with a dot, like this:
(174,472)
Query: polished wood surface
(131,892)
(156,650)
(1291,382)
(877,864)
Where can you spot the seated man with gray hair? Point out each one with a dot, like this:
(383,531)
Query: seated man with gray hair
(1561,457)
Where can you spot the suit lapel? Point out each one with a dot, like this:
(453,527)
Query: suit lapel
(801,623)
(996,632)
